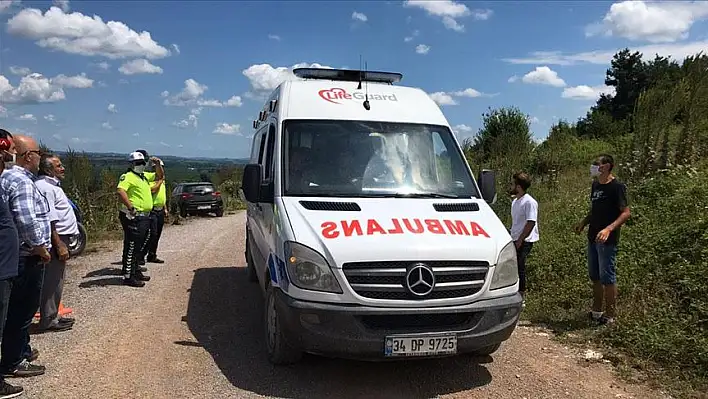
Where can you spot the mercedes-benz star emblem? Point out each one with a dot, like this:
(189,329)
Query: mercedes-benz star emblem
(420,279)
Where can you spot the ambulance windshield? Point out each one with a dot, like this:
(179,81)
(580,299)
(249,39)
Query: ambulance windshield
(328,158)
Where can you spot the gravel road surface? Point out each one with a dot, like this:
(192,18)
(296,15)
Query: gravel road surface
(194,331)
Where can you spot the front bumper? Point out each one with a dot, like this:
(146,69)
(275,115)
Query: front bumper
(203,206)
(359,332)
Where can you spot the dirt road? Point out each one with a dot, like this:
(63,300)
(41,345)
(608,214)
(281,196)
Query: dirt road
(195,331)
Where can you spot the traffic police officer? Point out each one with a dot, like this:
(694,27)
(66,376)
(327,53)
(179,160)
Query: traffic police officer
(159,209)
(136,199)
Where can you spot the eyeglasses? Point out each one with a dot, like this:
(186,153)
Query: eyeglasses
(38,152)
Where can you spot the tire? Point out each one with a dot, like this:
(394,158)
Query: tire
(219,212)
(487,350)
(78,242)
(280,352)
(250,267)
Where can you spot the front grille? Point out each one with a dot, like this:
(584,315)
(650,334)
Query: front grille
(387,280)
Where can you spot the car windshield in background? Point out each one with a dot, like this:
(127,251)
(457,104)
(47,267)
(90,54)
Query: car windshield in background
(199,188)
(373,159)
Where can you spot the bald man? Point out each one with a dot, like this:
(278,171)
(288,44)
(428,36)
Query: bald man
(31,213)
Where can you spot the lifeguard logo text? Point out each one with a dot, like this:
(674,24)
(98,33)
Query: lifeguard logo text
(336,95)
(348,228)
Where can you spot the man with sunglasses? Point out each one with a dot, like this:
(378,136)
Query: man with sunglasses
(136,198)
(32,214)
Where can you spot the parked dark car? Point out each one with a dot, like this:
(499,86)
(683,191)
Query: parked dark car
(77,243)
(197,198)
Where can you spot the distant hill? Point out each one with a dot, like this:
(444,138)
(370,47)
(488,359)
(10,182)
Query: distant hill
(112,157)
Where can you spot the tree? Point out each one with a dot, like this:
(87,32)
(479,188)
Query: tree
(504,141)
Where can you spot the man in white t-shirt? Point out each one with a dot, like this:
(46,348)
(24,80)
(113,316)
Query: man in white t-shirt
(524,222)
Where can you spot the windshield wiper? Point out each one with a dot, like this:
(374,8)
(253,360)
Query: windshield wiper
(423,195)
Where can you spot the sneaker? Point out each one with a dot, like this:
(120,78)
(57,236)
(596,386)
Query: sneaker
(33,357)
(133,282)
(140,276)
(142,268)
(8,391)
(26,369)
(605,320)
(155,260)
(594,318)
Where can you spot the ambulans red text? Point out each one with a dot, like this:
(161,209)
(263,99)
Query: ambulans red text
(348,228)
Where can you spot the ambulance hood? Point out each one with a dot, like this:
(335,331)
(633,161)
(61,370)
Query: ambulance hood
(385,229)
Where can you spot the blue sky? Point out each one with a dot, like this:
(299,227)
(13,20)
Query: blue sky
(186,78)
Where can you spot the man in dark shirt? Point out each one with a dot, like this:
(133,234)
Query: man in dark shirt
(609,210)
(9,253)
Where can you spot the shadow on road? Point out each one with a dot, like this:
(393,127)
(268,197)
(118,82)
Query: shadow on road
(225,313)
(103,282)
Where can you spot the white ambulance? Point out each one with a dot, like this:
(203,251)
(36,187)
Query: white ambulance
(366,229)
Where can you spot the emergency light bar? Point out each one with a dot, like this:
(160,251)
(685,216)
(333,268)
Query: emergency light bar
(348,75)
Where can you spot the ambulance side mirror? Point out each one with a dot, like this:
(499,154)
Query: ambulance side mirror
(488,185)
(251,182)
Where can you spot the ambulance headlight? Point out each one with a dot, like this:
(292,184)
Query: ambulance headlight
(309,270)
(506,272)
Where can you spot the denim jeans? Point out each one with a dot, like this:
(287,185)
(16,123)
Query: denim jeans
(23,304)
(601,262)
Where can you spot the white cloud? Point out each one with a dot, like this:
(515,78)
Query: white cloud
(76,33)
(225,128)
(112,108)
(449,11)
(442,98)
(162,143)
(56,137)
(654,22)
(274,37)
(422,49)
(358,16)
(3,112)
(586,93)
(461,129)
(513,79)
(264,78)
(412,36)
(534,120)
(448,98)
(49,118)
(192,94)
(136,134)
(22,71)
(191,121)
(102,65)
(677,51)
(107,126)
(543,75)
(139,66)
(175,48)
(63,4)
(472,93)
(73,82)
(33,88)
(27,117)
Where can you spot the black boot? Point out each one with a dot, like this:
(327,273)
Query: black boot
(133,282)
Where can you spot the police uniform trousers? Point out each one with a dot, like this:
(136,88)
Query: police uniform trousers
(135,233)
(157,222)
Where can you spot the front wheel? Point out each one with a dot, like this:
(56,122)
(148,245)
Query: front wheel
(280,352)
(78,242)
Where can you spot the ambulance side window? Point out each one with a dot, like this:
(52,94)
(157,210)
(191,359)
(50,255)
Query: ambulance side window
(257,148)
(268,165)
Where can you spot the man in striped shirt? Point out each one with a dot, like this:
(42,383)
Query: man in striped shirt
(31,214)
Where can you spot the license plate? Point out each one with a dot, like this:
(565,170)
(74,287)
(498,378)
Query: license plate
(204,207)
(419,345)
